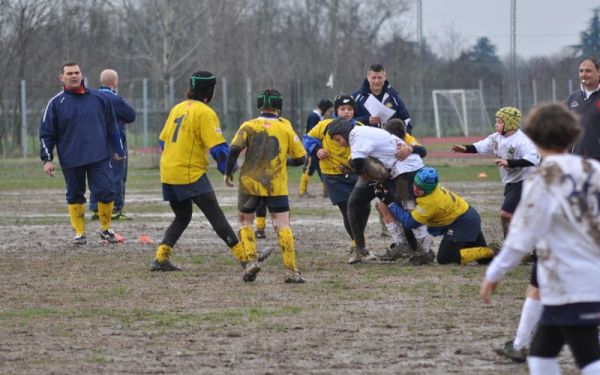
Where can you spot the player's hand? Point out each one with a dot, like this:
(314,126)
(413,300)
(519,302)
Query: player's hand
(501,163)
(403,151)
(374,120)
(117,157)
(459,148)
(322,154)
(382,194)
(228,180)
(487,287)
(345,169)
(49,168)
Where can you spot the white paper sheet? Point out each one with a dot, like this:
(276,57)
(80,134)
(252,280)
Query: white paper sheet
(378,109)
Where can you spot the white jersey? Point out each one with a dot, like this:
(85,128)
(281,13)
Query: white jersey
(559,215)
(515,146)
(380,144)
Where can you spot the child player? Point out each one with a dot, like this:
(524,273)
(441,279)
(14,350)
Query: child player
(559,216)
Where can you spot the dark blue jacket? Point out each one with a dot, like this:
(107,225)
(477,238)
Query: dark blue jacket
(391,99)
(81,126)
(312,120)
(588,110)
(123,111)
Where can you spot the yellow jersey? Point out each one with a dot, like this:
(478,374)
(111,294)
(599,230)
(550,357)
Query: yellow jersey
(338,154)
(439,208)
(191,129)
(268,141)
(410,140)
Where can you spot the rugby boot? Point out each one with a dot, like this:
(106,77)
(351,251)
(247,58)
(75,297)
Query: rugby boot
(165,266)
(251,271)
(359,254)
(371,256)
(263,254)
(291,277)
(260,233)
(80,240)
(396,251)
(120,216)
(509,351)
(422,257)
(108,236)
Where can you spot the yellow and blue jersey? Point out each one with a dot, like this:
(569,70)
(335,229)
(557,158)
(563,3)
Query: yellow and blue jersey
(439,208)
(338,155)
(268,141)
(191,129)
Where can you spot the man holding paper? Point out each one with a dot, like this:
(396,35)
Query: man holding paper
(377,101)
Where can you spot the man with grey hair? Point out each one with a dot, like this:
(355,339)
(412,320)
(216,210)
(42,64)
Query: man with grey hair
(125,114)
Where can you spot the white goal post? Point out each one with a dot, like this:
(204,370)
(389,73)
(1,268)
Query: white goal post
(466,106)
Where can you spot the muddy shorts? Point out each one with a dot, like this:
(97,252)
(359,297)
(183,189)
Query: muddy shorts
(249,203)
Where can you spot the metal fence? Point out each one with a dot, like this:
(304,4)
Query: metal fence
(22,106)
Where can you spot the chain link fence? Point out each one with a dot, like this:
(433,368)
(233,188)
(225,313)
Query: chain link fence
(22,106)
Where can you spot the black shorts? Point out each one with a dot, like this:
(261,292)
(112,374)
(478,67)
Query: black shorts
(401,187)
(187,191)
(512,196)
(248,203)
(339,186)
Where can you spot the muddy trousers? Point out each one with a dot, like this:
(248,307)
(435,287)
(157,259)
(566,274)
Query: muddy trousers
(359,208)
(210,208)
(344,210)
(548,341)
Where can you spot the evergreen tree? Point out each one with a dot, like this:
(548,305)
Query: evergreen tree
(590,38)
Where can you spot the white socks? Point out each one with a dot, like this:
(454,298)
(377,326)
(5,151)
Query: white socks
(591,369)
(530,316)
(397,233)
(543,366)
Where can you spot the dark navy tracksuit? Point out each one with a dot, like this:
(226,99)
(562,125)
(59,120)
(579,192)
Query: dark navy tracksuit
(125,114)
(588,110)
(82,126)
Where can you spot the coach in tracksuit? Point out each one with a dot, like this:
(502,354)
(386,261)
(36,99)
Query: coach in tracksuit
(377,84)
(125,114)
(586,103)
(81,123)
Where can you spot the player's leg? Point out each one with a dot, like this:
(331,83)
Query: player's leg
(75,196)
(305,176)
(100,178)
(261,219)
(359,208)
(247,205)
(399,246)
(545,347)
(183,216)
(280,215)
(512,197)
(118,167)
(210,208)
(340,187)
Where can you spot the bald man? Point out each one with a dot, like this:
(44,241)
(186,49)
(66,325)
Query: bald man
(125,114)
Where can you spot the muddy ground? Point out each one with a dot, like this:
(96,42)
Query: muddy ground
(97,308)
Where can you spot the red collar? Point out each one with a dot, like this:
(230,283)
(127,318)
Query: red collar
(78,90)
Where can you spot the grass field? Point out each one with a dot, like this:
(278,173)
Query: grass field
(97,308)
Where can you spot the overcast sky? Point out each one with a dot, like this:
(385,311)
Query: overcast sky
(544,27)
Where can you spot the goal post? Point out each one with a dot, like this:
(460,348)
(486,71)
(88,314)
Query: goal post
(466,107)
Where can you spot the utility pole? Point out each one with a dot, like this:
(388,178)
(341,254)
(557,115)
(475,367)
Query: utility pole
(513,48)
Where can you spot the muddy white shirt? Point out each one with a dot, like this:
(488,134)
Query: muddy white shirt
(559,214)
(380,144)
(515,146)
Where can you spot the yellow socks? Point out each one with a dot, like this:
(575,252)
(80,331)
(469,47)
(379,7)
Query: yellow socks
(304,182)
(239,252)
(76,213)
(286,242)
(162,253)
(248,240)
(260,222)
(471,254)
(104,214)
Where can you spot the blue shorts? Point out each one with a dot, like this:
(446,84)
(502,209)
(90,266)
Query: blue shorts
(572,314)
(512,196)
(249,203)
(339,186)
(187,191)
(464,229)
(99,177)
